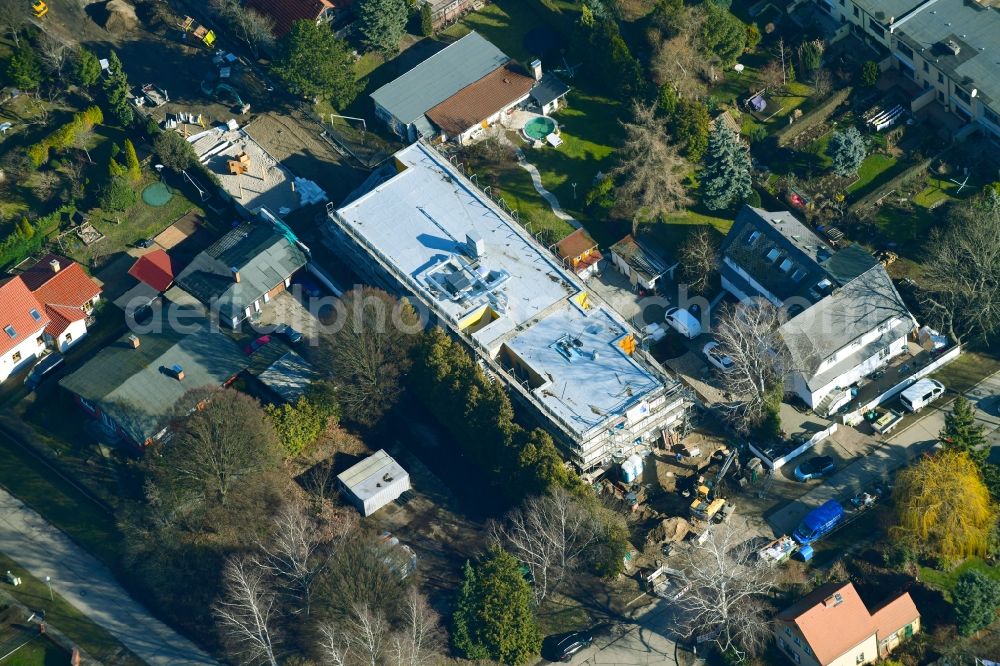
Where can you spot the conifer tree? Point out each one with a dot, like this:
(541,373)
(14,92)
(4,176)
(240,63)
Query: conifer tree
(847,151)
(117,93)
(382,24)
(132,162)
(962,433)
(725,180)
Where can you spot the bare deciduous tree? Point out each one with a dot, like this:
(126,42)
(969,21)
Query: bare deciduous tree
(360,638)
(699,259)
(727,600)
(747,332)
(960,286)
(650,169)
(772,76)
(418,640)
(370,351)
(548,534)
(13,16)
(822,82)
(291,551)
(54,53)
(248,611)
(679,62)
(252,27)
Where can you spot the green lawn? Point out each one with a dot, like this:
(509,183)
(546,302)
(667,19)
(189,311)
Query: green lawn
(874,166)
(967,370)
(906,227)
(937,190)
(945,580)
(671,232)
(506,22)
(34,594)
(514,185)
(39,652)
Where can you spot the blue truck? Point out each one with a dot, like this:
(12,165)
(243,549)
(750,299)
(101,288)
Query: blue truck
(819,522)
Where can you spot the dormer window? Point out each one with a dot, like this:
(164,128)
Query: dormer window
(798,275)
(824,284)
(786,265)
(773,254)
(753,238)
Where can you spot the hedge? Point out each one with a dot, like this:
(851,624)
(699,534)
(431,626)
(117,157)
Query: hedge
(16,248)
(813,118)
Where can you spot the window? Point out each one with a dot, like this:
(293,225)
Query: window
(786,265)
(796,657)
(991,115)
(40,340)
(940,77)
(753,238)
(824,284)
(962,95)
(883,353)
(905,50)
(798,275)
(9,330)
(876,29)
(797,642)
(773,254)
(856,13)
(806,648)
(16,356)
(788,631)
(69,337)
(927,68)
(35,315)
(860,659)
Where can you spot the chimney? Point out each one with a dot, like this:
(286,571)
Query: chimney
(133,340)
(54,265)
(236,274)
(536,69)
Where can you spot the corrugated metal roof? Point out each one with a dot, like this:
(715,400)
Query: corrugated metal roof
(361,479)
(437,78)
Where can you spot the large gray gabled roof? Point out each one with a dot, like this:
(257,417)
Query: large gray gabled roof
(437,78)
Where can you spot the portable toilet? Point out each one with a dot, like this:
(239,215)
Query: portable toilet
(631,468)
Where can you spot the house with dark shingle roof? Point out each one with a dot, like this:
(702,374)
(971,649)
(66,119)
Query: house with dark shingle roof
(68,295)
(461,90)
(831,626)
(284,13)
(244,269)
(136,385)
(845,317)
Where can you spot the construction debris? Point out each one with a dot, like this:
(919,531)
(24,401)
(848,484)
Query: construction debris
(120,17)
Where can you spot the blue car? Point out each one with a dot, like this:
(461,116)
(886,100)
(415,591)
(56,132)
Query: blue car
(814,468)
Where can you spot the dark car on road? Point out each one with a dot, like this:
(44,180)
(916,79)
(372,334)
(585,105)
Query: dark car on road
(562,647)
(41,369)
(814,468)
(288,334)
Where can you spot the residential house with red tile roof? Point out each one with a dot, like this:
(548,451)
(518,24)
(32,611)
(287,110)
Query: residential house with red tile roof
(831,626)
(284,13)
(155,269)
(22,327)
(68,296)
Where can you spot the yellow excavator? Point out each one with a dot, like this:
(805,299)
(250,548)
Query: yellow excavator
(39,8)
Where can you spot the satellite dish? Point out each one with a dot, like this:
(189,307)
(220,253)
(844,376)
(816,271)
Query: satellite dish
(974,92)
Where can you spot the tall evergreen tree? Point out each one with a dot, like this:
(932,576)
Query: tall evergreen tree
(317,64)
(975,600)
(382,24)
(493,617)
(847,151)
(86,68)
(690,125)
(23,68)
(117,93)
(725,180)
(961,432)
(132,161)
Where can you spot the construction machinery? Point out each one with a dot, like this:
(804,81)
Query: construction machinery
(204,35)
(706,505)
(39,8)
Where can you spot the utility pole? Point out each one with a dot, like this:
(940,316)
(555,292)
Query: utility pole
(781,47)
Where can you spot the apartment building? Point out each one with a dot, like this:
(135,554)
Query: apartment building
(427,232)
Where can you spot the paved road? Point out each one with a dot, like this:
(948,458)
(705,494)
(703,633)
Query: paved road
(87,584)
(898,449)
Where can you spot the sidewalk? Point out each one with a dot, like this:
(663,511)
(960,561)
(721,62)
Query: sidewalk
(87,584)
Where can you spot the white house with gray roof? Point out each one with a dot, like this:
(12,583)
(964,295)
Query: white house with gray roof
(949,48)
(845,317)
(428,232)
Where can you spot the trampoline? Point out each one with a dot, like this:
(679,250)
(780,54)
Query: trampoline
(157,194)
(538,128)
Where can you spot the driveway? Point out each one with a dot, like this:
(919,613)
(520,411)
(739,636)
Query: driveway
(645,642)
(896,451)
(88,585)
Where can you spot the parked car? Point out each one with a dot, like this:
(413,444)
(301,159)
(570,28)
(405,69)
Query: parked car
(921,394)
(815,468)
(309,288)
(144,243)
(288,334)
(572,643)
(42,368)
(256,344)
(717,357)
(683,322)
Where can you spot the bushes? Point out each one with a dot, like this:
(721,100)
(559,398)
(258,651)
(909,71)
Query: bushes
(299,425)
(118,194)
(65,136)
(22,243)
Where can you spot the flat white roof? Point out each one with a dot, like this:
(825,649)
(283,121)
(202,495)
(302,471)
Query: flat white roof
(587,375)
(372,475)
(420,219)
(425,222)
(266,184)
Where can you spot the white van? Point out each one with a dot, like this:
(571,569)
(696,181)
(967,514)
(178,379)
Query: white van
(683,322)
(921,394)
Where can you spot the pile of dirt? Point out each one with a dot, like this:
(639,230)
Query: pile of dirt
(120,17)
(671,530)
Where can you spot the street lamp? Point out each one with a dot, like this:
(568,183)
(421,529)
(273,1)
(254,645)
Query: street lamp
(574,191)
(48,581)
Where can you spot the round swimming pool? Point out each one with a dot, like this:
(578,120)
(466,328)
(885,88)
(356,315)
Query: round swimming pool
(538,128)
(157,194)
